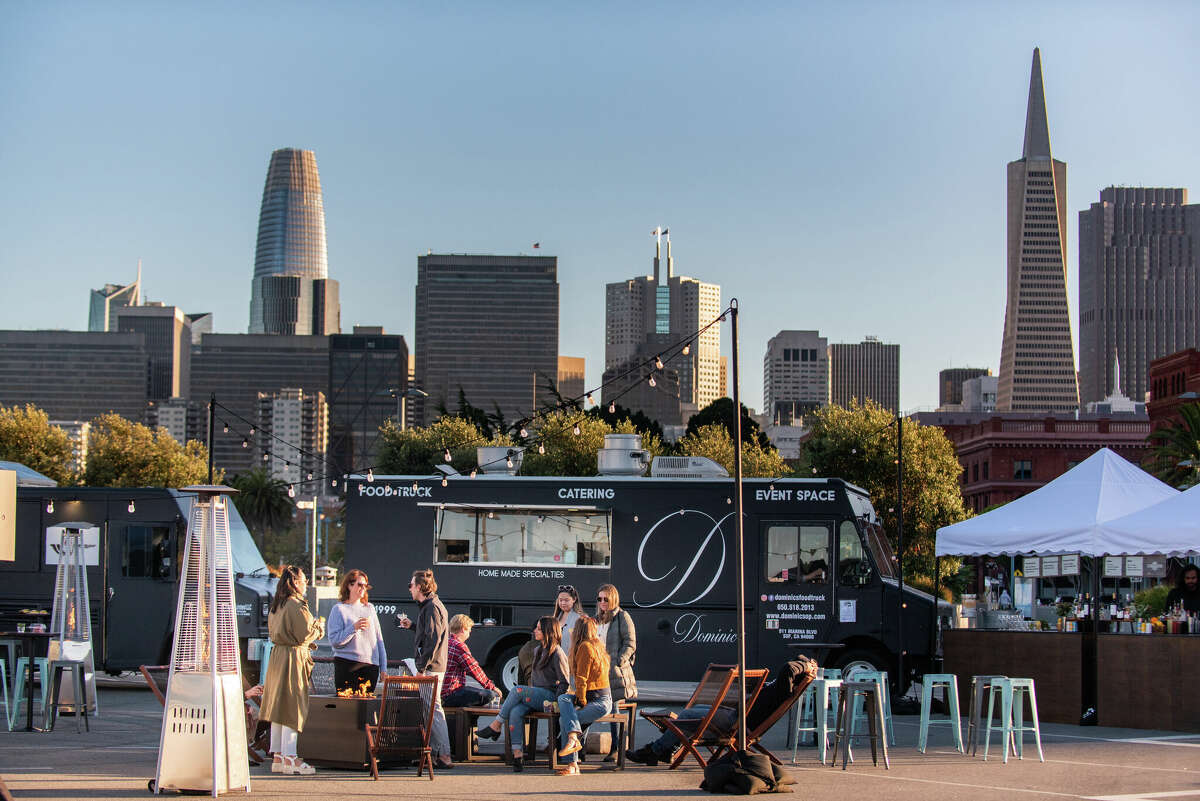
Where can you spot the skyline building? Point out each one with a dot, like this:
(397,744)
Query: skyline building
(1139,253)
(368,379)
(868,369)
(795,376)
(571,376)
(646,316)
(291,292)
(301,420)
(105,302)
(1037,356)
(168,339)
(485,325)
(950,384)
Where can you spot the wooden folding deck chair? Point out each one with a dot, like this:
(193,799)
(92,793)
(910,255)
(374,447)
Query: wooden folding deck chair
(754,735)
(715,732)
(405,722)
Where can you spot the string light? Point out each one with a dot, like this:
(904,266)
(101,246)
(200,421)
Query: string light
(445,483)
(524,433)
(224,429)
(588,399)
(291,490)
(370,476)
(508,462)
(575,430)
(252,431)
(612,407)
(50,506)
(541,447)
(687,349)
(245,444)
(266,456)
(333,482)
(446,455)
(310,475)
(472,473)
(635,518)
(658,365)
(414,486)
(651,381)
(132,507)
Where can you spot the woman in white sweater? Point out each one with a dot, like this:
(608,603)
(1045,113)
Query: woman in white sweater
(567,610)
(359,656)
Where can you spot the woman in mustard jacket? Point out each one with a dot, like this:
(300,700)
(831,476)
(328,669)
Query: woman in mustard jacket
(285,690)
(591,699)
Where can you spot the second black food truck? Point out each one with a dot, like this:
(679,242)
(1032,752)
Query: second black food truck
(820,574)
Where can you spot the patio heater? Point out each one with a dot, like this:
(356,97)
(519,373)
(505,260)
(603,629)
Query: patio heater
(202,746)
(71,618)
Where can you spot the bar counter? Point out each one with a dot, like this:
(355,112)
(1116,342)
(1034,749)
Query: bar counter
(1144,681)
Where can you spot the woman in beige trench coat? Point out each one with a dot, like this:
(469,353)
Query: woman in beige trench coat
(285,691)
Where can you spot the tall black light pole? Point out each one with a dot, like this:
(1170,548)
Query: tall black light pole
(212,412)
(741,551)
(900,547)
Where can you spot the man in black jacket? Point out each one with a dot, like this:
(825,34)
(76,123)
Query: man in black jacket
(772,695)
(1187,591)
(430,645)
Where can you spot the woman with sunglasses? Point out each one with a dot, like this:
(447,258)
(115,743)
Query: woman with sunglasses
(359,656)
(616,631)
(548,680)
(567,610)
(591,698)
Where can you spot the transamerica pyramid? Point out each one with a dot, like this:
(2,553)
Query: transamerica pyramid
(1037,357)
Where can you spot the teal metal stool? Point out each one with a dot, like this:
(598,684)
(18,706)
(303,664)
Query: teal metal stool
(980,687)
(869,694)
(928,684)
(815,702)
(8,710)
(1012,694)
(12,649)
(880,678)
(40,664)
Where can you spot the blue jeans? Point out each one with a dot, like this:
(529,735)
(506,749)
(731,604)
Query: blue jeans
(467,696)
(571,719)
(521,700)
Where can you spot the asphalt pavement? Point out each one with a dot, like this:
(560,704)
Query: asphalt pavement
(115,760)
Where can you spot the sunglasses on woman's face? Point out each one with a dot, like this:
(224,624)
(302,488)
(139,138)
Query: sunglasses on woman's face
(601,599)
(363,584)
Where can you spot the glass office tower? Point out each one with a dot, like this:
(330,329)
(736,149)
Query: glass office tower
(291,292)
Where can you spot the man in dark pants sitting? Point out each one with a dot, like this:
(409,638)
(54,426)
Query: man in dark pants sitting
(772,695)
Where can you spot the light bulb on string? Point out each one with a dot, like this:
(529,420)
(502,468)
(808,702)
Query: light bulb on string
(650,381)
(541,448)
(472,473)
(687,349)
(446,455)
(310,475)
(266,456)
(658,365)
(370,476)
(224,429)
(508,462)
(333,482)
(588,398)
(445,483)
(132,507)
(291,490)
(575,430)
(612,407)
(252,431)
(414,487)
(245,443)
(524,432)
(50,507)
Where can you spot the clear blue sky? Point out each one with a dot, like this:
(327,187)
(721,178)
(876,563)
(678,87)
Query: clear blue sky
(835,166)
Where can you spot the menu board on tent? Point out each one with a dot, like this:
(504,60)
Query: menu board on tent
(1154,566)
(1050,566)
(1113,565)
(1133,566)
(1031,566)
(1069,565)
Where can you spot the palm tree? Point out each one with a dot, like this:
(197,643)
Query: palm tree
(263,502)
(1175,448)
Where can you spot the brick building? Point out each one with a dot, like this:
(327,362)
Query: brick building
(1174,381)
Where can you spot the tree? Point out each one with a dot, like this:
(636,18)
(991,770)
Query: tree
(1175,449)
(715,442)
(263,502)
(858,444)
(567,453)
(417,451)
(26,436)
(721,411)
(122,453)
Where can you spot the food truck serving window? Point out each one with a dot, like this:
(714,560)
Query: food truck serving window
(524,536)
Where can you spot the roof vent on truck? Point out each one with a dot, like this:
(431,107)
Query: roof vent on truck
(622,455)
(686,467)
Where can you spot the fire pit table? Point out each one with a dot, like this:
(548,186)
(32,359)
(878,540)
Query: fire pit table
(334,734)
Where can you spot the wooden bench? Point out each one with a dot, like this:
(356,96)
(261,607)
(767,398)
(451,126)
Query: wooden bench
(461,722)
(624,717)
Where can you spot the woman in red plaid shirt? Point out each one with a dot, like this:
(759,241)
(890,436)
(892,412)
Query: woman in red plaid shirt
(459,665)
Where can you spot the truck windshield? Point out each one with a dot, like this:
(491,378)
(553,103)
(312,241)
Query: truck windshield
(881,549)
(524,536)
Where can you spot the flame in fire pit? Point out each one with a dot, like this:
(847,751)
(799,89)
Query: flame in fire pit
(364,691)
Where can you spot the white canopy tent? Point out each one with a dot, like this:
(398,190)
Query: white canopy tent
(1170,527)
(1067,515)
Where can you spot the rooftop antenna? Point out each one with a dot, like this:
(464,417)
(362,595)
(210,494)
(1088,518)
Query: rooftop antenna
(657,234)
(670,261)
(137,295)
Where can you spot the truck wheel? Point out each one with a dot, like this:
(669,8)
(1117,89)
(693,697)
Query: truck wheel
(505,670)
(859,660)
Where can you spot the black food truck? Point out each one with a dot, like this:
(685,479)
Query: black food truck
(133,552)
(820,575)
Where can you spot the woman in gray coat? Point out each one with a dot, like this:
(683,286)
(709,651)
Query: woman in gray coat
(616,631)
